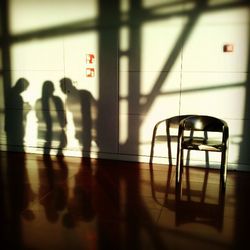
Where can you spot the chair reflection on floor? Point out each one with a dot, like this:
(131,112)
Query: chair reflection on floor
(200,205)
(195,200)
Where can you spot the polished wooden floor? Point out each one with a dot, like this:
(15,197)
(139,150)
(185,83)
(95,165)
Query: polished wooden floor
(70,203)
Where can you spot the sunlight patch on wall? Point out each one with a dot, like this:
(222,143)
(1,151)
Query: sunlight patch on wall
(123,83)
(32,15)
(123,121)
(158,43)
(198,50)
(172,5)
(123,96)
(227,103)
(124,77)
(51,60)
(38,55)
(76,61)
(124,6)
(38,61)
(228,16)
(124,39)
(221,94)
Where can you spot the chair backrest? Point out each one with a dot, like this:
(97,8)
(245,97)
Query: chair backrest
(203,123)
(174,121)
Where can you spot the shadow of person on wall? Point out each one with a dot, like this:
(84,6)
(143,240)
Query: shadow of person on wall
(15,116)
(79,103)
(51,119)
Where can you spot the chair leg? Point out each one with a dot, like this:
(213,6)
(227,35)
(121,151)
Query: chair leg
(179,166)
(152,145)
(223,170)
(170,162)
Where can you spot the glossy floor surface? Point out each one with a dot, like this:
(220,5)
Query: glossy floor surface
(70,203)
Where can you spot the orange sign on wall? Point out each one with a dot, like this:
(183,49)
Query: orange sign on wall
(90,58)
(90,72)
(90,65)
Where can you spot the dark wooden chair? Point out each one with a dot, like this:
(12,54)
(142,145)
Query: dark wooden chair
(188,140)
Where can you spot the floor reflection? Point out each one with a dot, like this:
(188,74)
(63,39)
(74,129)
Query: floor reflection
(198,204)
(53,189)
(17,197)
(68,203)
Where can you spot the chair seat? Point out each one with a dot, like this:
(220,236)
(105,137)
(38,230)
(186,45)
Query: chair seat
(202,144)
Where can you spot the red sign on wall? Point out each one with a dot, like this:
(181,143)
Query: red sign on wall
(90,58)
(90,65)
(90,72)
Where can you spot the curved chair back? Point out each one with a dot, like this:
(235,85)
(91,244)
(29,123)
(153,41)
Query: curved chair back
(203,123)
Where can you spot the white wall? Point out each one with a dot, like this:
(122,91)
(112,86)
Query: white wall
(169,61)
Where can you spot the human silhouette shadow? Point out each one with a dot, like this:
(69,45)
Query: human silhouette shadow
(19,195)
(80,103)
(51,119)
(15,116)
(3,212)
(53,189)
(81,205)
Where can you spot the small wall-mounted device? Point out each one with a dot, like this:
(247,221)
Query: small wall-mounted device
(228,47)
